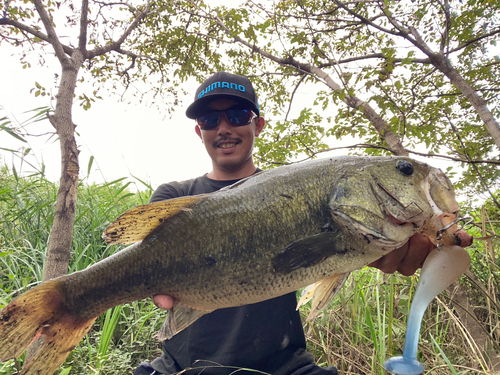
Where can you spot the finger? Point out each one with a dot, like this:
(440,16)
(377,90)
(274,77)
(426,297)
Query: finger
(418,248)
(163,301)
(465,238)
(390,262)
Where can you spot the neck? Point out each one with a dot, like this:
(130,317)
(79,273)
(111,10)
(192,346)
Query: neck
(222,174)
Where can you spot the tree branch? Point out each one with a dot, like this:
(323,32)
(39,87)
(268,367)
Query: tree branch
(474,40)
(51,34)
(116,45)
(446,34)
(378,122)
(325,65)
(31,30)
(373,56)
(479,174)
(367,145)
(82,39)
(369,22)
(110,4)
(293,94)
(416,40)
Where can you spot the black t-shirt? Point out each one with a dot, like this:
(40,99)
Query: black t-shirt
(266,336)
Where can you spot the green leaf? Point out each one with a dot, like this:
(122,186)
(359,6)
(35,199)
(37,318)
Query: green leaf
(89,167)
(65,371)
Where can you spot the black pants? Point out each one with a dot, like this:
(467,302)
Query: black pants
(145,369)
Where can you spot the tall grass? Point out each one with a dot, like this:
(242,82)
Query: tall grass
(364,325)
(122,337)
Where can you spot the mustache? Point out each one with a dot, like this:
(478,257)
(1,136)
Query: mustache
(225,139)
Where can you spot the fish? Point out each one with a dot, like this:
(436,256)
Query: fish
(273,233)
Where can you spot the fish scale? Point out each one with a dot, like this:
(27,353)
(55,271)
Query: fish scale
(263,237)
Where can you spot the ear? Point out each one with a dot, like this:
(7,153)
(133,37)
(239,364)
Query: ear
(198,131)
(259,125)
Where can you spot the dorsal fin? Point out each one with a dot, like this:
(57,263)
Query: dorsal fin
(135,224)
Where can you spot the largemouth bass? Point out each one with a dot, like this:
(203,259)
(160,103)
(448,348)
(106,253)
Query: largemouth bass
(263,237)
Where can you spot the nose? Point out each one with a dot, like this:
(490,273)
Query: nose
(224,127)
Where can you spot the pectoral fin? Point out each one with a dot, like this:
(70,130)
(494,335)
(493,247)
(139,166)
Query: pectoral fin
(307,252)
(307,294)
(135,224)
(179,317)
(322,293)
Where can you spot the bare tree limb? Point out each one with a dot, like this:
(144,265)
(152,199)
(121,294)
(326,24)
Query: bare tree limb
(82,39)
(367,145)
(293,94)
(474,40)
(52,35)
(31,30)
(116,45)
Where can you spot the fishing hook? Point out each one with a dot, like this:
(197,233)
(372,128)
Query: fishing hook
(439,236)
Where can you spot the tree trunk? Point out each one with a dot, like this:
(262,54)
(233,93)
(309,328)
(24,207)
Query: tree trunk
(61,234)
(440,62)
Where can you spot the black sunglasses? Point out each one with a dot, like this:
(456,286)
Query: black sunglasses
(236,117)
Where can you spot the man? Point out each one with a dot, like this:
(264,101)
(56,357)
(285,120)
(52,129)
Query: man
(266,336)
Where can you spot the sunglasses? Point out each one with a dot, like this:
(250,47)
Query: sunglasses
(236,117)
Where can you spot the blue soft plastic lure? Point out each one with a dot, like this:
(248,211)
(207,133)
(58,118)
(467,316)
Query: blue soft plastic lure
(441,268)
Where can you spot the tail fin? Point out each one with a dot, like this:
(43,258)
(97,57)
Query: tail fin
(40,311)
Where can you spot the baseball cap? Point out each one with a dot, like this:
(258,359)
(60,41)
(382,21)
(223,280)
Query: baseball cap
(223,85)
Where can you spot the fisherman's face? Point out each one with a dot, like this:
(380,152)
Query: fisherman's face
(230,147)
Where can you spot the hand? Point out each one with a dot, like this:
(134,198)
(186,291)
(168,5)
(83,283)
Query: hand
(408,258)
(163,301)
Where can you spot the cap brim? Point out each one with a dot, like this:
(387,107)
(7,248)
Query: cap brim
(199,107)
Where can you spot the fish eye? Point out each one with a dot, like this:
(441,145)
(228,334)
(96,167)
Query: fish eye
(405,167)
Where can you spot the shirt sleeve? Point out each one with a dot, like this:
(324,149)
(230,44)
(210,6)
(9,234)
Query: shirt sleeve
(164,192)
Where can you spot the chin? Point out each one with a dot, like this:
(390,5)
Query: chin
(230,162)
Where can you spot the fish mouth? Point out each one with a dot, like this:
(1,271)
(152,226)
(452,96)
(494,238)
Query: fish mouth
(440,223)
(370,235)
(444,230)
(398,218)
(389,213)
(389,225)
(395,210)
